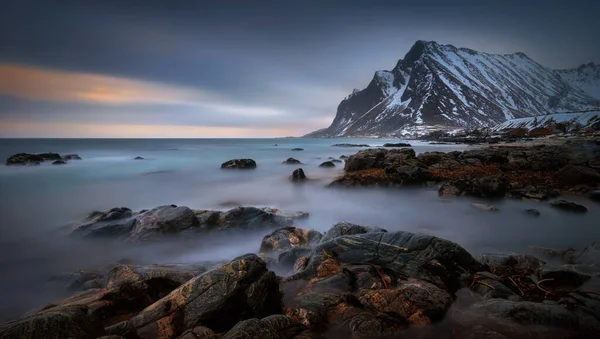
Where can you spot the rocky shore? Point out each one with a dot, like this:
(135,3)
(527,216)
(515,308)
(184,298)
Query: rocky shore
(352,281)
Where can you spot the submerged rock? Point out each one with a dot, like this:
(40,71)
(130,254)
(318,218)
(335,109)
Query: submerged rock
(112,223)
(248,217)
(71,157)
(59,162)
(219,299)
(163,220)
(298,175)
(239,164)
(327,164)
(297,149)
(532,212)
(287,238)
(291,161)
(568,206)
(336,161)
(400,144)
(138,158)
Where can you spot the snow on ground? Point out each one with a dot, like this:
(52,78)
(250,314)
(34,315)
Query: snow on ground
(585,119)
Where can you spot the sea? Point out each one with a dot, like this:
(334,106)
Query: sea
(38,203)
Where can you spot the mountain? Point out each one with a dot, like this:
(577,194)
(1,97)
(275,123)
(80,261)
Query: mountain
(441,85)
(586,77)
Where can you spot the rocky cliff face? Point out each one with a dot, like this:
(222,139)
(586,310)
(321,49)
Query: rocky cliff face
(457,87)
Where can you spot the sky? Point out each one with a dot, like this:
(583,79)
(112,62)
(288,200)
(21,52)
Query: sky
(228,68)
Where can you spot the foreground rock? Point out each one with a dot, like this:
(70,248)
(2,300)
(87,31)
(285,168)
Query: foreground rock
(345,228)
(31,159)
(287,238)
(239,164)
(291,161)
(172,220)
(219,299)
(298,175)
(274,326)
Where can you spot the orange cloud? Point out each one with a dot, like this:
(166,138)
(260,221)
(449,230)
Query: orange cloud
(50,85)
(19,129)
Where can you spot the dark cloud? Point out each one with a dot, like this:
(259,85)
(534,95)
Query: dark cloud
(298,57)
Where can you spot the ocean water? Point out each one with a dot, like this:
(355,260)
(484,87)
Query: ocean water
(36,202)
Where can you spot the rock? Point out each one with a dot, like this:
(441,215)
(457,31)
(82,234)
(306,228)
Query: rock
(219,299)
(327,164)
(379,158)
(249,217)
(410,174)
(298,175)
(58,162)
(350,145)
(169,274)
(401,254)
(55,323)
(448,190)
(336,161)
(568,206)
(494,260)
(200,332)
(344,313)
(486,207)
(75,281)
(71,157)
(288,260)
(345,228)
(239,164)
(400,144)
(343,157)
(577,175)
(481,284)
(24,159)
(163,220)
(274,326)
(138,158)
(418,302)
(287,238)
(564,277)
(532,212)
(50,156)
(595,195)
(297,149)
(446,165)
(291,161)
(113,223)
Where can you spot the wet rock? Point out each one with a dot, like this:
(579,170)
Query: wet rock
(402,254)
(239,164)
(111,337)
(494,260)
(564,277)
(418,302)
(200,332)
(113,223)
(336,161)
(286,238)
(291,161)
(24,159)
(446,165)
(298,175)
(163,220)
(327,164)
(595,195)
(568,206)
(171,274)
(431,158)
(379,159)
(448,190)
(288,260)
(489,286)
(400,144)
(350,145)
(274,326)
(249,217)
(59,162)
(55,323)
(532,211)
(343,157)
(577,175)
(50,156)
(138,158)
(345,228)
(491,187)
(219,299)
(410,174)
(486,207)
(342,314)
(71,157)
(297,149)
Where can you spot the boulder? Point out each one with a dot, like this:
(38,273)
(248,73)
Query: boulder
(219,299)
(298,175)
(401,254)
(59,162)
(163,220)
(248,217)
(578,175)
(345,228)
(274,326)
(138,158)
(410,174)
(400,144)
(286,238)
(379,159)
(24,159)
(418,302)
(55,323)
(289,260)
(113,223)
(297,149)
(71,157)
(448,190)
(327,164)
(568,206)
(291,161)
(171,274)
(239,164)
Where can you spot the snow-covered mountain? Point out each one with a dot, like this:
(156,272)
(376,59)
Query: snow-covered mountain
(441,85)
(586,77)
